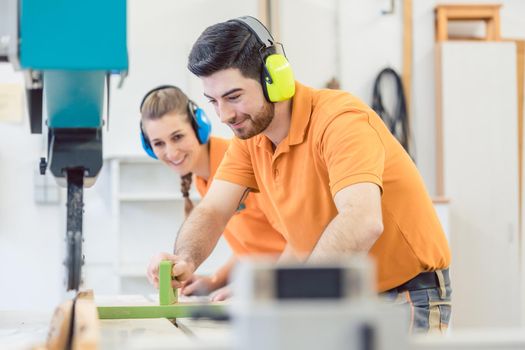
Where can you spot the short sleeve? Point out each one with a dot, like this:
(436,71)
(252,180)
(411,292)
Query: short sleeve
(352,150)
(236,166)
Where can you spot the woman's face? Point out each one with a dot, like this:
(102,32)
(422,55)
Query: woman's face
(174,142)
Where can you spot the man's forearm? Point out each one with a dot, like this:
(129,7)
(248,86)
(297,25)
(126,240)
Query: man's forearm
(199,235)
(346,234)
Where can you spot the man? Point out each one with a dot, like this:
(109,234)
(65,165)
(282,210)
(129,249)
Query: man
(333,178)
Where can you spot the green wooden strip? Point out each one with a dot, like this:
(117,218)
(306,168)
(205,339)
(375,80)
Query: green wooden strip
(161,311)
(167,294)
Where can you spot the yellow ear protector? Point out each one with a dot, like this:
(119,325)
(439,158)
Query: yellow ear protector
(277,77)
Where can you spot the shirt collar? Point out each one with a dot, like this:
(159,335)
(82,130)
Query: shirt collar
(301,112)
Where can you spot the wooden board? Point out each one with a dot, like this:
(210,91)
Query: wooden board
(161,311)
(167,294)
(488,13)
(60,326)
(520,61)
(407,57)
(86,332)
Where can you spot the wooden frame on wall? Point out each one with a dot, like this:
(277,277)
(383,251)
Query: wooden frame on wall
(269,16)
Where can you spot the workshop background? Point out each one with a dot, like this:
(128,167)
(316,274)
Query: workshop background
(465,116)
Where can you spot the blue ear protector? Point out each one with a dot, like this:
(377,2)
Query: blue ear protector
(199,121)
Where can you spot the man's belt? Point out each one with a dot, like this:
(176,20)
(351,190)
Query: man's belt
(425,280)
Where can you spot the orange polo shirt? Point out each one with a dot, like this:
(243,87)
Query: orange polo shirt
(335,141)
(248,231)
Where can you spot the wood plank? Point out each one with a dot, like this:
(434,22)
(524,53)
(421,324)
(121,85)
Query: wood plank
(440,200)
(263,12)
(488,13)
(60,326)
(275,27)
(86,328)
(161,311)
(269,15)
(469,11)
(86,294)
(520,61)
(520,47)
(407,63)
(440,183)
(167,294)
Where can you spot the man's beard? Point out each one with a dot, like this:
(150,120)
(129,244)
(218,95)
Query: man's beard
(257,123)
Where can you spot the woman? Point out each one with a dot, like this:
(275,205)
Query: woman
(177,132)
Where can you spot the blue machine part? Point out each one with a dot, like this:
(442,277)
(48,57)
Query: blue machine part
(74,98)
(74,44)
(73,35)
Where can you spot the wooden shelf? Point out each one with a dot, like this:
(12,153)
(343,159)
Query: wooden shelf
(440,200)
(488,13)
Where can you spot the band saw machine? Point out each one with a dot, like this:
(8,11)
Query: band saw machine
(67,51)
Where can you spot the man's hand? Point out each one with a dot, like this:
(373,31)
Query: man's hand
(182,270)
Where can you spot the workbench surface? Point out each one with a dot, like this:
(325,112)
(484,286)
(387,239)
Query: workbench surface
(25,329)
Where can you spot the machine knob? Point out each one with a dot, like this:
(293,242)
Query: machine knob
(42,166)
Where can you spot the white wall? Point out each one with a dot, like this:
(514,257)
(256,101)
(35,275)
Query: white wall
(310,41)
(31,236)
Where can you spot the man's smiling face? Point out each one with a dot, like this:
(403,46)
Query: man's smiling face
(239,102)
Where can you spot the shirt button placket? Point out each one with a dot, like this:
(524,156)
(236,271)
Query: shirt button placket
(275,172)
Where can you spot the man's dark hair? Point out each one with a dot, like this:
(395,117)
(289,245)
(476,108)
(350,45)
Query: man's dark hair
(227,45)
